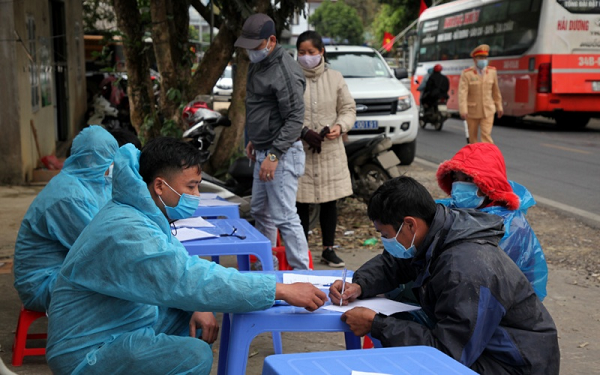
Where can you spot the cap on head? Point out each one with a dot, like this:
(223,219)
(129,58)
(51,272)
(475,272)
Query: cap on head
(257,27)
(437,68)
(482,50)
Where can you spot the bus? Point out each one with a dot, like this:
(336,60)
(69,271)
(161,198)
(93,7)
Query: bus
(547,53)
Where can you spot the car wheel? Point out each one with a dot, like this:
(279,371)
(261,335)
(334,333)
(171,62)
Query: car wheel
(406,152)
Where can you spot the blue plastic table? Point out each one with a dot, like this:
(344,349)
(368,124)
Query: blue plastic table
(238,330)
(394,361)
(230,212)
(254,243)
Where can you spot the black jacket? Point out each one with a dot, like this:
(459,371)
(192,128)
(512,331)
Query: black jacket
(486,313)
(275,102)
(437,87)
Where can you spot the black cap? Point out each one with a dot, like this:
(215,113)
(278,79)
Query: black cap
(256,28)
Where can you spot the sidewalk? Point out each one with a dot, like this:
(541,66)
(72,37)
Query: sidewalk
(573,299)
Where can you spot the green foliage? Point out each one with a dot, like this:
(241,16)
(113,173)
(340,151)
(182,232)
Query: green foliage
(339,22)
(390,19)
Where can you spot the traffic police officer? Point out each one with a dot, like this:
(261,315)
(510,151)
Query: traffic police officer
(479,96)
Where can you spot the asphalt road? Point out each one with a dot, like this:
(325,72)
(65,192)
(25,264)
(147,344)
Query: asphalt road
(560,166)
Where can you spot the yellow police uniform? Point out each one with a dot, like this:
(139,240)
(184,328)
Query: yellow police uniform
(479,98)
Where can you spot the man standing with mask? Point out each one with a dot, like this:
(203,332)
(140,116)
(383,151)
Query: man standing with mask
(479,96)
(274,120)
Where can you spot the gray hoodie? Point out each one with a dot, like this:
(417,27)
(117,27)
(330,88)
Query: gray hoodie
(275,102)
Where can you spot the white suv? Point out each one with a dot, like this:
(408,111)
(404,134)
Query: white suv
(383,104)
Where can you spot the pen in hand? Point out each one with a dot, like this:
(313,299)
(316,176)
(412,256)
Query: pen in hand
(343,283)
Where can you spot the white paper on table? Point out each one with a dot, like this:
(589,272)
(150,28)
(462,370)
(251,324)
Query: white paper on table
(194,222)
(318,281)
(216,202)
(209,196)
(378,304)
(188,234)
(367,373)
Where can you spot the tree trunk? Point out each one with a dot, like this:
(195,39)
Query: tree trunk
(231,137)
(139,87)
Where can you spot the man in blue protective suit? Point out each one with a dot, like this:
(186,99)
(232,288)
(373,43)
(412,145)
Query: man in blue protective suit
(476,178)
(129,298)
(59,213)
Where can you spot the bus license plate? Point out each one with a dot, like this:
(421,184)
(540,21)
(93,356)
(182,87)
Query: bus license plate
(365,124)
(595,85)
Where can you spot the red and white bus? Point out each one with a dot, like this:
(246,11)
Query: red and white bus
(547,53)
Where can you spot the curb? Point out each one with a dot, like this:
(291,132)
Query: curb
(586,217)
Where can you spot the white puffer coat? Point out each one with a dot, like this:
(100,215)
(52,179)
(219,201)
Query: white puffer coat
(327,103)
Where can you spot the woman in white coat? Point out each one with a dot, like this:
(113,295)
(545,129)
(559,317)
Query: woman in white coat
(329,112)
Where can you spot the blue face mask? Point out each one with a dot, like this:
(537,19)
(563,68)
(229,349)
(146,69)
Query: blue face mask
(396,249)
(481,64)
(464,195)
(257,56)
(186,207)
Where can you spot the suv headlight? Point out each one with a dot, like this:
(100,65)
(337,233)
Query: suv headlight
(404,103)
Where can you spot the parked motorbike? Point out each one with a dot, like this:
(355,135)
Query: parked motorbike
(201,134)
(435,115)
(371,162)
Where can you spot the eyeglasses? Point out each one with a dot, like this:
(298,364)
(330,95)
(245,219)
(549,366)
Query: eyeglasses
(233,234)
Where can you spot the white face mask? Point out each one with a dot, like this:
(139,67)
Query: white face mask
(257,56)
(309,61)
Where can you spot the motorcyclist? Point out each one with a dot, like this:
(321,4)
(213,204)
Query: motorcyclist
(436,88)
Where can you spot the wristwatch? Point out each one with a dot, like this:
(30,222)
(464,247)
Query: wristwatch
(272,157)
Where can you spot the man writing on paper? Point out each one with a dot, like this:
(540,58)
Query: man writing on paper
(481,309)
(128,298)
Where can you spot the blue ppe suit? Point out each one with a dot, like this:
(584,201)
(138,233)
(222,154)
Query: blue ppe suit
(125,293)
(59,213)
(519,240)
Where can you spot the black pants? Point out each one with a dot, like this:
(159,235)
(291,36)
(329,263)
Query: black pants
(328,218)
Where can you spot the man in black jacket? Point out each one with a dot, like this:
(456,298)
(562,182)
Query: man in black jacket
(274,120)
(484,312)
(436,88)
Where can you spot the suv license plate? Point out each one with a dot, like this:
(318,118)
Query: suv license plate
(364,124)
(595,85)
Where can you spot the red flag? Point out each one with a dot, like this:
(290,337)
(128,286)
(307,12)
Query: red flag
(422,7)
(388,41)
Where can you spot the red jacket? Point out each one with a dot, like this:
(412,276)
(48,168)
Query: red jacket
(485,164)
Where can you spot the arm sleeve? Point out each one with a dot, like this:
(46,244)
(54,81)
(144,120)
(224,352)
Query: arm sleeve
(289,89)
(382,274)
(346,107)
(496,93)
(143,266)
(463,92)
(466,314)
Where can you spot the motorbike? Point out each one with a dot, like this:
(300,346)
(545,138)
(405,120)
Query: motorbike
(435,115)
(370,161)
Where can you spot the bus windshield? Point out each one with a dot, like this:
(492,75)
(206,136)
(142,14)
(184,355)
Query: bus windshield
(358,64)
(509,27)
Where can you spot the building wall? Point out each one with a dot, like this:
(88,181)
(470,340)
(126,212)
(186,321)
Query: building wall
(10,151)
(17,110)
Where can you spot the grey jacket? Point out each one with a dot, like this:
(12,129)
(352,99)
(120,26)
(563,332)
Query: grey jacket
(275,102)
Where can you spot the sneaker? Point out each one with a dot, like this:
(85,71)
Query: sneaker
(331,259)
(257,266)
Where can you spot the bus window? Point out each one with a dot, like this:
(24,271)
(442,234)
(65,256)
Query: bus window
(494,12)
(580,6)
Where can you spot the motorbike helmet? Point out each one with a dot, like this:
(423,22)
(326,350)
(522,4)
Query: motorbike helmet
(195,111)
(437,68)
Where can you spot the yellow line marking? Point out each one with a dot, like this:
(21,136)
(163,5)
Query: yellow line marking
(567,149)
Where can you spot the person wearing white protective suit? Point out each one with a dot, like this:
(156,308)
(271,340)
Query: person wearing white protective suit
(129,298)
(59,213)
